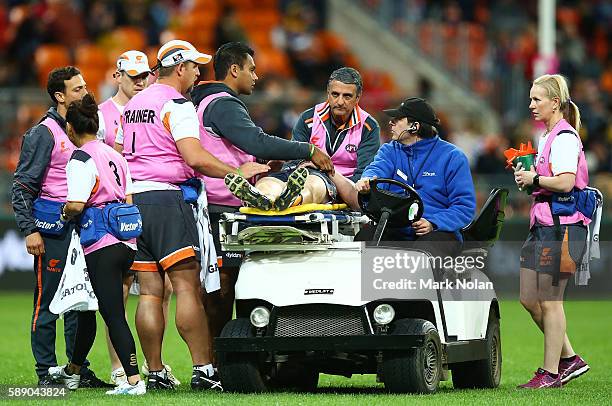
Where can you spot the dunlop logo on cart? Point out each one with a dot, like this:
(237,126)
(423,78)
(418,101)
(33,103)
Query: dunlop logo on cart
(318,291)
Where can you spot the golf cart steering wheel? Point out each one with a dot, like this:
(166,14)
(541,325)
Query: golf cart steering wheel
(382,206)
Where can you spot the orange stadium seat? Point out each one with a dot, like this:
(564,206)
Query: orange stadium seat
(201,39)
(330,44)
(90,54)
(260,38)
(211,6)
(129,37)
(266,18)
(94,76)
(50,56)
(241,4)
(198,20)
(273,61)
(267,4)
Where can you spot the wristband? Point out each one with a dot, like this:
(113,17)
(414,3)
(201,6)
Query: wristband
(239,172)
(536,181)
(312,150)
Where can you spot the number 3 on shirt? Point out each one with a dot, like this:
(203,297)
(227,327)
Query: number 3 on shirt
(114,168)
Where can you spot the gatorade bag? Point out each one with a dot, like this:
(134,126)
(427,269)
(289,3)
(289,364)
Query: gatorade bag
(525,155)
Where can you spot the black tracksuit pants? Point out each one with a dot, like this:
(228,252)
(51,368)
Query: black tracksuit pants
(48,270)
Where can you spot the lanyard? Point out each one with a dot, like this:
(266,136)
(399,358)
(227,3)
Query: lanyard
(422,164)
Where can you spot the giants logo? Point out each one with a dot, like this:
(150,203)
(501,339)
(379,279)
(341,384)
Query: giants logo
(546,258)
(52,266)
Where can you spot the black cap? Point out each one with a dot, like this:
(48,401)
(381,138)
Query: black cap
(417,109)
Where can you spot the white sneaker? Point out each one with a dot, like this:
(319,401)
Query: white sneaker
(59,374)
(118,376)
(126,389)
(172,378)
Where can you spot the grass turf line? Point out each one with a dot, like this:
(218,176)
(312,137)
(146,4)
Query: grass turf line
(522,345)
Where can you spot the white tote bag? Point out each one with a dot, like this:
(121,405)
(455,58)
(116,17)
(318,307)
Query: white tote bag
(209,272)
(74,291)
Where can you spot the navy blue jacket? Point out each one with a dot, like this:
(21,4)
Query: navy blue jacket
(440,173)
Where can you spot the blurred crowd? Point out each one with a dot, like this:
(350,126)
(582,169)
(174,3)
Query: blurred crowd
(295,53)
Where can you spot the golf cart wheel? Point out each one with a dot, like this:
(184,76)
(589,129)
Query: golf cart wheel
(484,373)
(294,376)
(241,371)
(418,370)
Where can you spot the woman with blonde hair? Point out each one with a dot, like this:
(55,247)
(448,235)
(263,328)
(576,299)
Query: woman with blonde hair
(557,237)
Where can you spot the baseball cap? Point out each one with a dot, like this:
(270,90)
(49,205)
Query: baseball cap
(133,63)
(177,51)
(415,108)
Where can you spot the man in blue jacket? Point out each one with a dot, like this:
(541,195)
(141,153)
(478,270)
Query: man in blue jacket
(436,169)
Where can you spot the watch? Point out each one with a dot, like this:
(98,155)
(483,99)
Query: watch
(536,180)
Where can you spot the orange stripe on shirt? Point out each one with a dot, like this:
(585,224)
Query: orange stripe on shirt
(39,288)
(166,121)
(96,187)
(177,256)
(367,126)
(309,120)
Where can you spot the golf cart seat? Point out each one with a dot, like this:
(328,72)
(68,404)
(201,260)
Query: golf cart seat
(484,230)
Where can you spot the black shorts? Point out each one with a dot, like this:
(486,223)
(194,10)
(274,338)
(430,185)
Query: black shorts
(541,247)
(224,258)
(169,231)
(332,191)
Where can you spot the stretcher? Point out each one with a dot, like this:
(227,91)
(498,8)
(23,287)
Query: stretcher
(300,231)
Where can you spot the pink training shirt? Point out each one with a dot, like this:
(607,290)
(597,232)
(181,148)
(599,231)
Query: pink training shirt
(54,180)
(540,211)
(345,157)
(98,175)
(111,120)
(220,147)
(151,124)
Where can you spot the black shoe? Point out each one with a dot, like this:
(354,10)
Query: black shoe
(47,380)
(159,381)
(243,190)
(201,381)
(293,189)
(90,380)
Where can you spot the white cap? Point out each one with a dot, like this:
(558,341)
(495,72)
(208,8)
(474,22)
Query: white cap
(177,51)
(133,63)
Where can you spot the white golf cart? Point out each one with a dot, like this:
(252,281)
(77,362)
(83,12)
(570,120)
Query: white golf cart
(300,307)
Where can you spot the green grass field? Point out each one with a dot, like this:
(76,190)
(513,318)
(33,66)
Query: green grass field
(589,329)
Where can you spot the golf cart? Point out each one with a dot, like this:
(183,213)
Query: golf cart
(301,310)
